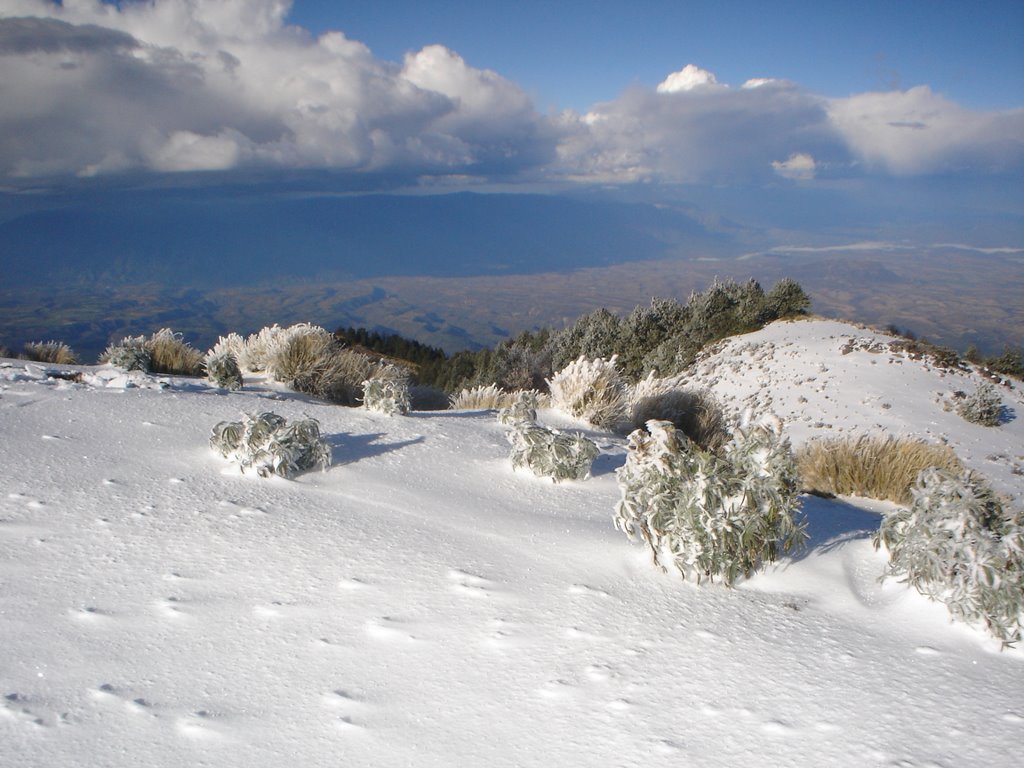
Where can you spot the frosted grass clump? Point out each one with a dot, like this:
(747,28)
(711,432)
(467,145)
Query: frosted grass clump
(222,369)
(259,347)
(387,390)
(591,390)
(715,515)
(232,344)
(480,398)
(132,353)
(294,352)
(550,453)
(982,407)
(523,409)
(697,414)
(170,353)
(267,443)
(956,543)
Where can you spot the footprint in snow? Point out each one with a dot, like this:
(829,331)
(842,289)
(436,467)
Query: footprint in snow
(388,630)
(585,589)
(201,726)
(110,695)
(927,650)
(15,707)
(469,584)
(345,704)
(91,615)
(171,607)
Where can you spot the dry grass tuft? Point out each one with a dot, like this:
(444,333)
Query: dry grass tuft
(697,414)
(871,466)
(169,353)
(55,352)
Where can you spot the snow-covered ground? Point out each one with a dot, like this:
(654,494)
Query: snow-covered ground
(422,604)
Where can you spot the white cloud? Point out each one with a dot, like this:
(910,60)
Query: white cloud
(177,85)
(800,166)
(689,77)
(917,131)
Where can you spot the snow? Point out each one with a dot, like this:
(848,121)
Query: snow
(420,603)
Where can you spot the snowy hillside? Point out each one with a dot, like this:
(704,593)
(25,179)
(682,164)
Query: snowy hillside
(421,604)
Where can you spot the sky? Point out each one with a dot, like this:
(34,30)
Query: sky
(455,94)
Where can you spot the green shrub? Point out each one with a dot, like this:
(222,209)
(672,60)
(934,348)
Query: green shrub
(550,453)
(387,390)
(222,369)
(872,466)
(982,407)
(523,409)
(714,515)
(591,390)
(958,544)
(132,353)
(55,352)
(269,444)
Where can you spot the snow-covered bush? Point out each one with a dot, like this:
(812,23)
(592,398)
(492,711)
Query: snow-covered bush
(56,352)
(132,353)
(222,369)
(522,409)
(697,414)
(982,407)
(481,398)
(873,466)
(337,376)
(550,453)
(233,345)
(711,514)
(269,444)
(591,390)
(958,544)
(387,390)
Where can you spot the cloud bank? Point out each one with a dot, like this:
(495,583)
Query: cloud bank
(92,89)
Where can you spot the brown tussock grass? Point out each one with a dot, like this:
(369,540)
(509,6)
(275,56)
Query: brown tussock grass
(872,466)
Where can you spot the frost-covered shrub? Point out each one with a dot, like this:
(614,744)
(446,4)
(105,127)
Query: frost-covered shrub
(523,409)
(550,453)
(591,390)
(387,390)
(132,353)
(267,443)
(958,544)
(697,414)
(873,466)
(594,335)
(481,398)
(233,345)
(715,515)
(982,407)
(222,369)
(169,353)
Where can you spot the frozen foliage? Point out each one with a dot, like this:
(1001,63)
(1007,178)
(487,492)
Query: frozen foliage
(591,390)
(982,407)
(387,391)
(132,353)
(521,410)
(55,352)
(481,398)
(550,453)
(259,347)
(222,369)
(958,544)
(295,351)
(712,515)
(233,345)
(269,444)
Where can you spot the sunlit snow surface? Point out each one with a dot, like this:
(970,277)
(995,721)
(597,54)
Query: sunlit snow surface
(421,604)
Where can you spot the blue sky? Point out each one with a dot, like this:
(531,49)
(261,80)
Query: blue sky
(573,53)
